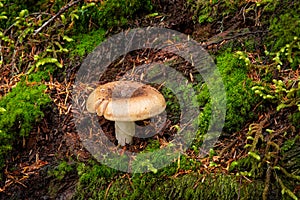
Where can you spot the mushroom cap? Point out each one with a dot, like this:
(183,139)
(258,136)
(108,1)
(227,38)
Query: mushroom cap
(101,94)
(126,101)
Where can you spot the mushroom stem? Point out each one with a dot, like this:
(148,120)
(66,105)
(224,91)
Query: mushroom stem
(125,130)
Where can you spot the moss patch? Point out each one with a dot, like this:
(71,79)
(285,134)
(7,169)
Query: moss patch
(21,109)
(98,183)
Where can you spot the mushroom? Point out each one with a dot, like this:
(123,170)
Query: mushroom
(125,102)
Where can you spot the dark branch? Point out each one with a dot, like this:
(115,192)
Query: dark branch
(218,41)
(62,10)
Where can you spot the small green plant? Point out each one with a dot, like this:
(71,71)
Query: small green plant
(284,26)
(283,92)
(288,144)
(289,53)
(262,159)
(26,50)
(277,83)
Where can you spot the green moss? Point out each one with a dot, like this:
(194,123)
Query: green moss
(83,44)
(151,186)
(22,108)
(110,14)
(61,170)
(295,119)
(284,27)
(93,22)
(93,180)
(209,11)
(240,97)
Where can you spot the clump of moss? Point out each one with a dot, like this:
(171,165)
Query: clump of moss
(284,27)
(97,182)
(295,119)
(209,11)
(93,21)
(83,44)
(93,180)
(110,14)
(21,108)
(240,98)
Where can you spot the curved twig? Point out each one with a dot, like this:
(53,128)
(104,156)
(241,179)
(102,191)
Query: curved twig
(62,10)
(214,41)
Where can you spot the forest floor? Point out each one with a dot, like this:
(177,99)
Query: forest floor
(55,138)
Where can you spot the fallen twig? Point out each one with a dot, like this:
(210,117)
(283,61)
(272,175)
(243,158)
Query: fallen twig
(217,41)
(228,147)
(62,10)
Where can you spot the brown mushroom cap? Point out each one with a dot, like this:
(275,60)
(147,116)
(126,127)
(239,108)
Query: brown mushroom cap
(126,101)
(100,94)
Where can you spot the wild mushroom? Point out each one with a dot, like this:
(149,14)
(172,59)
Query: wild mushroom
(125,102)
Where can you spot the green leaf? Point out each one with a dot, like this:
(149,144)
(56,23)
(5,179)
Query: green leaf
(3,17)
(245,173)
(280,106)
(44,61)
(152,15)
(73,15)
(233,165)
(254,155)
(23,13)
(276,167)
(88,5)
(213,164)
(68,39)
(250,138)
(152,169)
(63,19)
(269,130)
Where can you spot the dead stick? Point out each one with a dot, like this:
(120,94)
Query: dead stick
(62,10)
(212,42)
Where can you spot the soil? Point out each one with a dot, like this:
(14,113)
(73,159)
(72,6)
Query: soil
(55,138)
